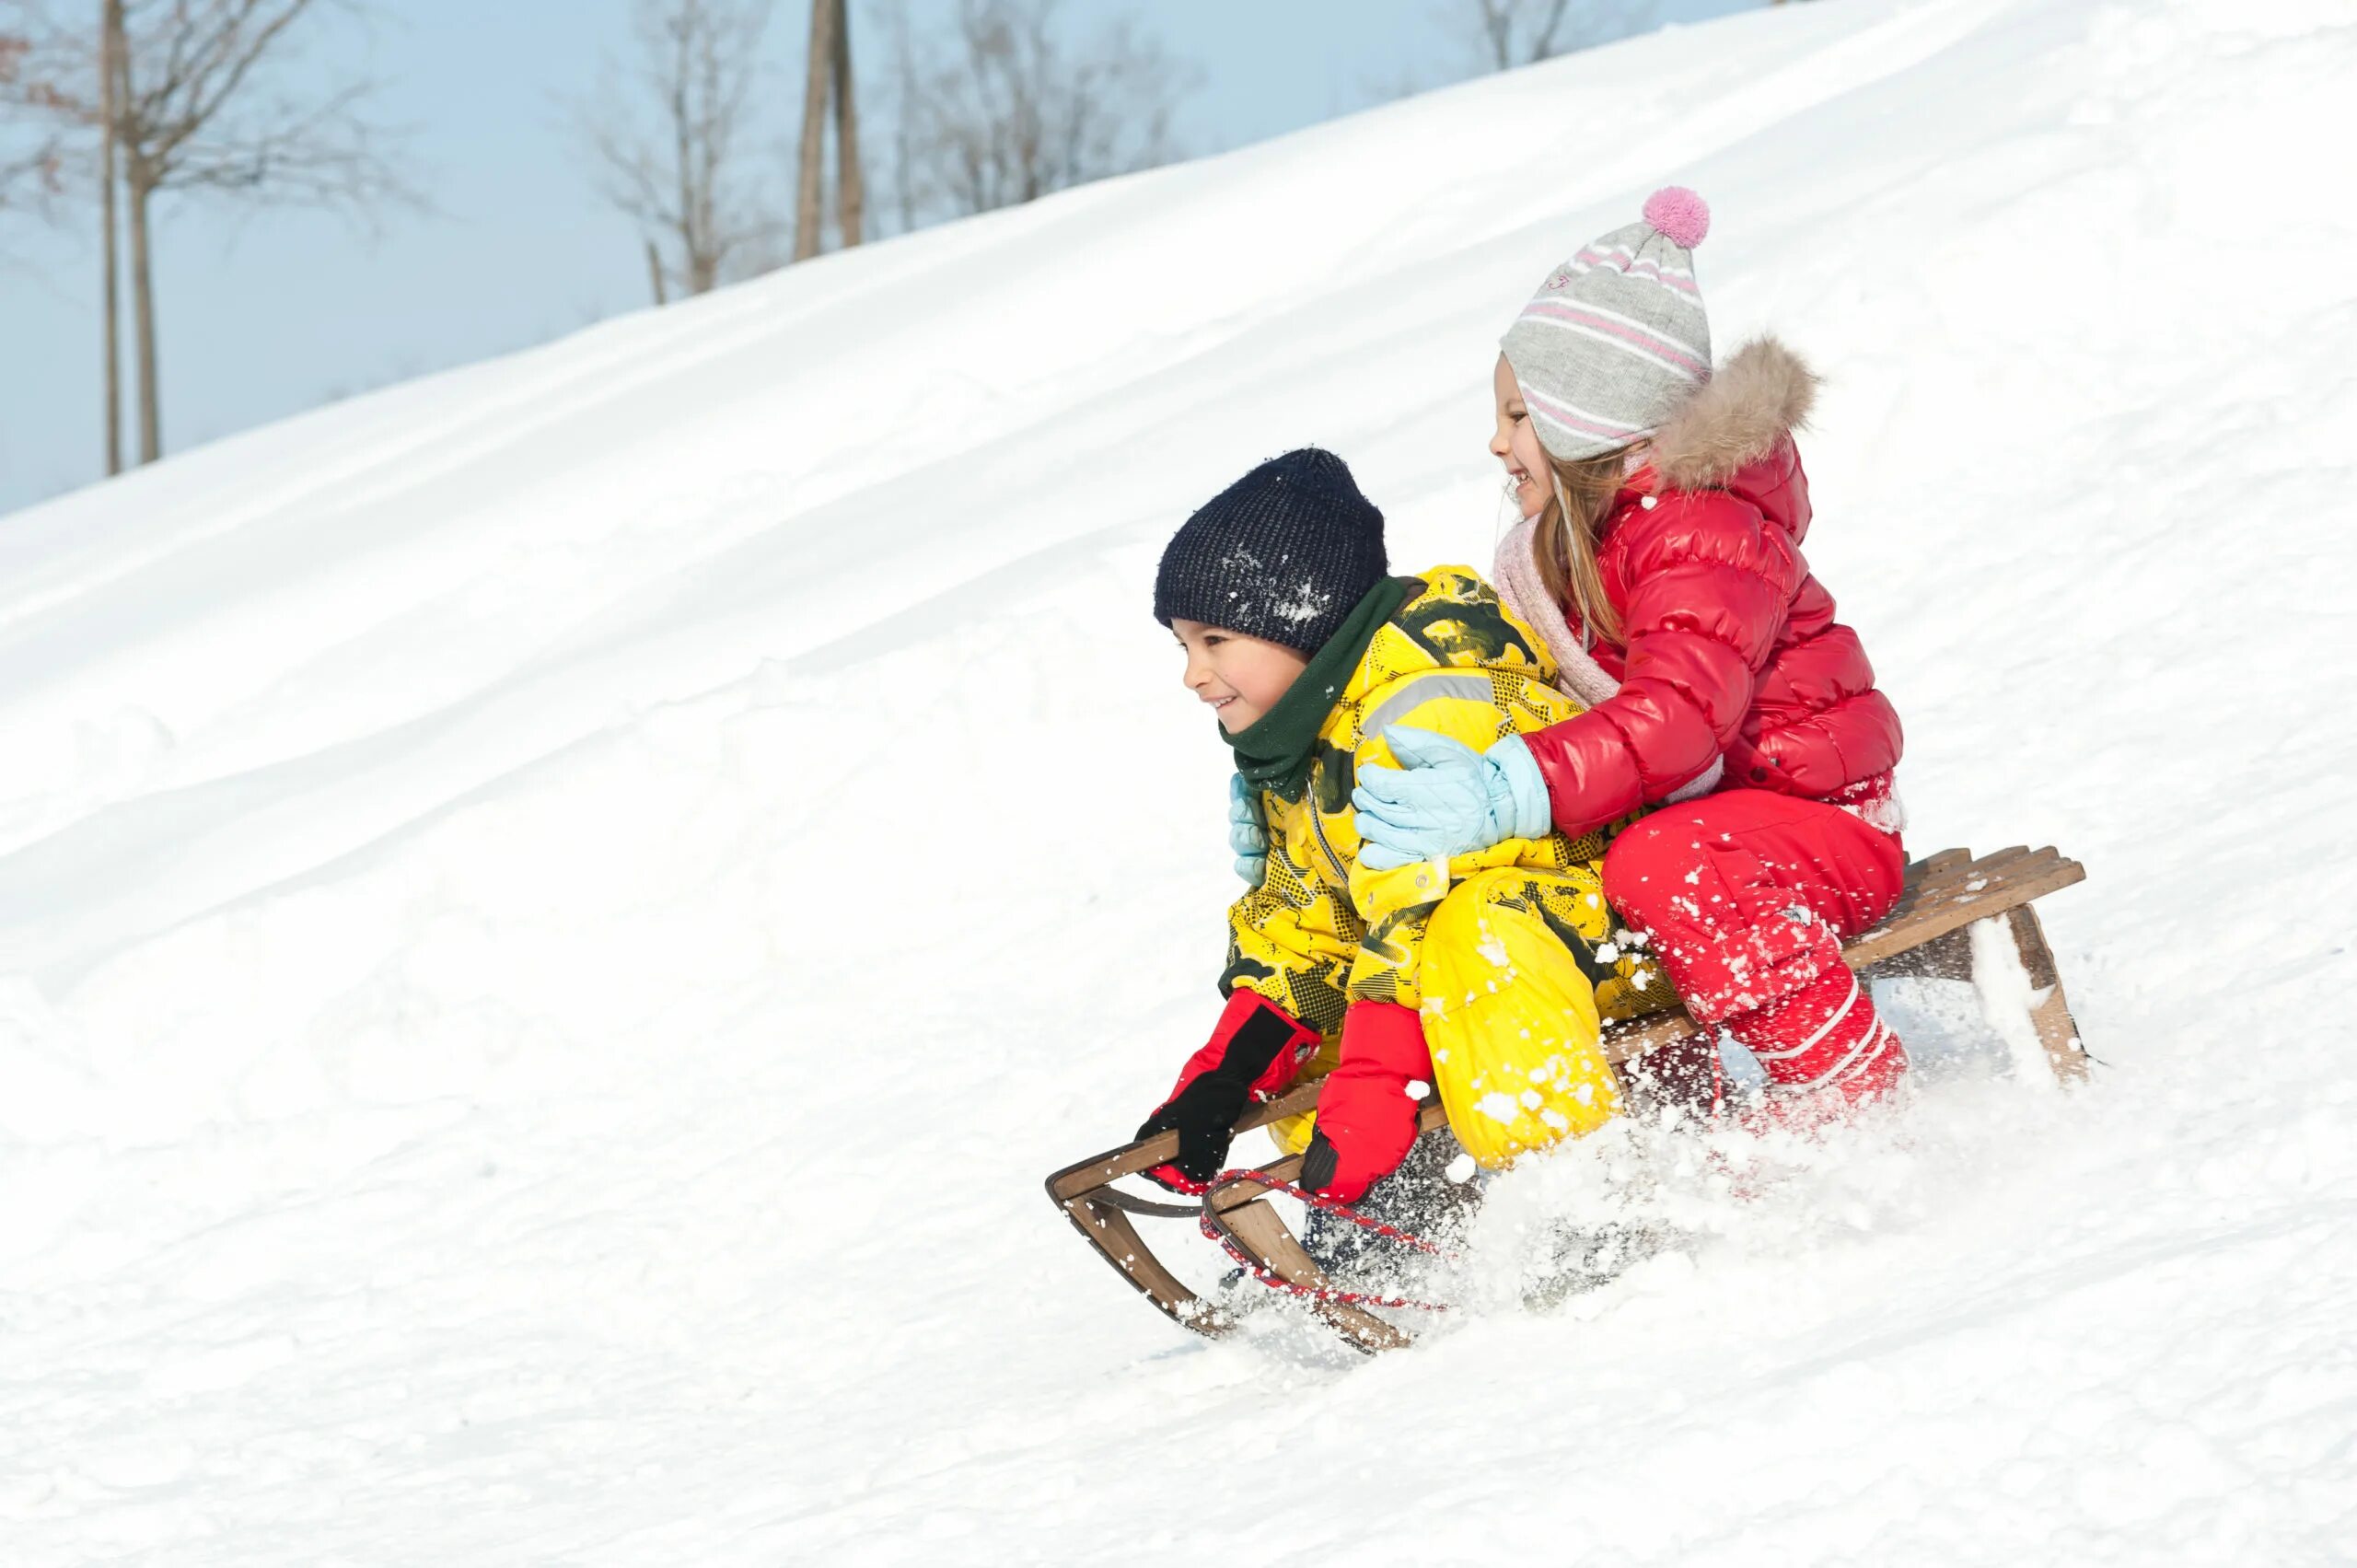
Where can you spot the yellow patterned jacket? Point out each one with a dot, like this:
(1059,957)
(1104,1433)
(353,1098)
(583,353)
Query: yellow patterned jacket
(1323,931)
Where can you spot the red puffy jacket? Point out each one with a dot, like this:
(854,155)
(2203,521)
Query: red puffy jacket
(1729,647)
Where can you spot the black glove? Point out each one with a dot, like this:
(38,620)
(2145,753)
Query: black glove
(1204,1115)
(1318,1161)
(1254,1051)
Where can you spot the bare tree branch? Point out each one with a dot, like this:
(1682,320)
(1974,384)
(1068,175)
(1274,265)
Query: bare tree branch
(665,137)
(32,158)
(995,110)
(207,101)
(1507,34)
(210,103)
(240,34)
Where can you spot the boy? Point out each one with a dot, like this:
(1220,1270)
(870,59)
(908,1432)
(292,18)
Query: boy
(1483,975)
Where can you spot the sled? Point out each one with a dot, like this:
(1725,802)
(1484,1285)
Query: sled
(1927,934)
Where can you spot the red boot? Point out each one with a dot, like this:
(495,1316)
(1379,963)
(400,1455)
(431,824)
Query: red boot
(1826,1051)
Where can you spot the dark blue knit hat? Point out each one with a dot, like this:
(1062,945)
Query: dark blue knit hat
(1284,553)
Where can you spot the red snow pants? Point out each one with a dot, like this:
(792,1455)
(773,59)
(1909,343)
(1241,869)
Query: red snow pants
(1744,897)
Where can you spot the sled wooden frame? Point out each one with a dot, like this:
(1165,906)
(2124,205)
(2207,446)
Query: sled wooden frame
(1926,933)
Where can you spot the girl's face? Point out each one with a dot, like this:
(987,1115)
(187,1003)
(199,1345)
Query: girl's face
(1240,677)
(1516,444)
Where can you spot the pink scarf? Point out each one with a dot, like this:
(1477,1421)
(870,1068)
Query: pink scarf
(1577,674)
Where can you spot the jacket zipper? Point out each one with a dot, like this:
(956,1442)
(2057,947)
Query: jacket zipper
(1318,829)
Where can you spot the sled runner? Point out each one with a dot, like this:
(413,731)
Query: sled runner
(1927,934)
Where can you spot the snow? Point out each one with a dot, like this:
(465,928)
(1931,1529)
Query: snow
(554,918)
(2007,996)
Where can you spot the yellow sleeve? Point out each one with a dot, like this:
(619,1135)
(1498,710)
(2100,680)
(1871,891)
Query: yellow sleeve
(1280,942)
(1467,706)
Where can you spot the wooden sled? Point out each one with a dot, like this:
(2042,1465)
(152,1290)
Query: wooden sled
(1926,933)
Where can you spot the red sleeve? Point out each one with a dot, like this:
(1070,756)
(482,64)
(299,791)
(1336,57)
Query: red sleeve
(1709,584)
(1257,1043)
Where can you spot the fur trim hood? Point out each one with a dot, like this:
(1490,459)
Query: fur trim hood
(1761,394)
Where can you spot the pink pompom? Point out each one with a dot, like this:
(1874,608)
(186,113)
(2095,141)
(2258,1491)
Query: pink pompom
(1679,215)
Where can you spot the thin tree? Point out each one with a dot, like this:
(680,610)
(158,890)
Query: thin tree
(998,108)
(667,137)
(205,106)
(818,71)
(827,81)
(1507,34)
(111,97)
(906,71)
(851,181)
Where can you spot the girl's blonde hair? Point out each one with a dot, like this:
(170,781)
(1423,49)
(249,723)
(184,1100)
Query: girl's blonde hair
(1565,539)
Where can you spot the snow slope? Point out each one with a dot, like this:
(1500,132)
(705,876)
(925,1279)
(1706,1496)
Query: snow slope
(551,919)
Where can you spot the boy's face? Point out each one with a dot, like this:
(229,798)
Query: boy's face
(1240,677)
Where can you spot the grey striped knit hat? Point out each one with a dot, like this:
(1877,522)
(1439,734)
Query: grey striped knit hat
(1616,338)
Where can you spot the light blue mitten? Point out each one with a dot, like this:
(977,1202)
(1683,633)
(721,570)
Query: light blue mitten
(1447,798)
(1248,836)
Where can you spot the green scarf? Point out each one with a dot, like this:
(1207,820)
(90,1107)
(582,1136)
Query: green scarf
(1273,752)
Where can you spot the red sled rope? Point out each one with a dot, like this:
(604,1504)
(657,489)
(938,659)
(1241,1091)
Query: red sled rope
(1341,1210)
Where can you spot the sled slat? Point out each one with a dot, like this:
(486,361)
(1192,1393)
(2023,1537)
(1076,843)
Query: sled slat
(1627,1041)
(2051,1012)
(1084,1193)
(1100,1170)
(1117,1241)
(1942,957)
(1241,1210)
(1932,865)
(1953,911)
(1958,877)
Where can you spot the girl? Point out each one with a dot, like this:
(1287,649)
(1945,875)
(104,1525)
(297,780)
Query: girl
(1659,557)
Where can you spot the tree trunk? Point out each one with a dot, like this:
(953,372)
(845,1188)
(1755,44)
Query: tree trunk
(808,205)
(655,270)
(109,99)
(143,310)
(692,237)
(851,185)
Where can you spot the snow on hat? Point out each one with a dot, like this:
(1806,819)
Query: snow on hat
(1616,338)
(1284,553)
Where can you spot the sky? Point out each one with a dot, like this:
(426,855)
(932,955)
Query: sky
(262,315)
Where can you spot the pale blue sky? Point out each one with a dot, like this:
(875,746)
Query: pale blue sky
(278,312)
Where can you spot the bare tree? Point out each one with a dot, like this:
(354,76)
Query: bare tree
(996,109)
(828,82)
(32,163)
(818,75)
(850,179)
(817,70)
(907,73)
(669,138)
(112,49)
(205,104)
(1507,34)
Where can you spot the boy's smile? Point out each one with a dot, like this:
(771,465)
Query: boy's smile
(1242,678)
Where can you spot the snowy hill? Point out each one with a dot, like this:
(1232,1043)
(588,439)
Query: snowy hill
(551,919)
